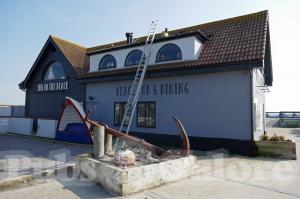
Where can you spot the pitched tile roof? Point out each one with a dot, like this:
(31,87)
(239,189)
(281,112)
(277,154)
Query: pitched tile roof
(230,41)
(237,39)
(234,40)
(75,54)
(141,41)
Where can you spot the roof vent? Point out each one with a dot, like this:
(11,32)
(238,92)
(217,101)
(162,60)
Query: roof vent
(129,37)
(165,33)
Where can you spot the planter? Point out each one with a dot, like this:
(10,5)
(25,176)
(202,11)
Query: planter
(135,179)
(278,149)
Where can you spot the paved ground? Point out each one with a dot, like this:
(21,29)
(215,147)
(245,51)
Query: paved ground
(218,176)
(23,155)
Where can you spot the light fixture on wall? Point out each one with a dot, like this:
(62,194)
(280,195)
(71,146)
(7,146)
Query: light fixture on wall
(91,98)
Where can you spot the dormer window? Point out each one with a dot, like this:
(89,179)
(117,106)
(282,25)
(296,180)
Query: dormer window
(54,71)
(108,61)
(169,52)
(133,57)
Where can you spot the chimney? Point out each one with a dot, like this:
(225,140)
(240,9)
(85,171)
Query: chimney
(165,33)
(129,37)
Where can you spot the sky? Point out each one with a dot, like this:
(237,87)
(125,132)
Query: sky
(26,25)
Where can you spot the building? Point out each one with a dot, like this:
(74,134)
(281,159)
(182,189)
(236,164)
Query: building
(53,77)
(211,76)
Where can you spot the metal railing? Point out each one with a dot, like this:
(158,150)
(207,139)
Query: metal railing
(284,115)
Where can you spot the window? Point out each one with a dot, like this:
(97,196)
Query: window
(108,61)
(133,58)
(168,52)
(146,114)
(54,71)
(119,113)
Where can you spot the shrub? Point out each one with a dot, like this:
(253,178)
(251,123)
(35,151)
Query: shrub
(282,138)
(264,137)
(275,138)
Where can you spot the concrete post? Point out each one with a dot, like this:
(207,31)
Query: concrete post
(99,141)
(108,143)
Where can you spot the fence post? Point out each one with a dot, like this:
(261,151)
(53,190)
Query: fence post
(99,135)
(108,143)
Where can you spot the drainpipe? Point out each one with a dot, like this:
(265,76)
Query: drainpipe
(252,115)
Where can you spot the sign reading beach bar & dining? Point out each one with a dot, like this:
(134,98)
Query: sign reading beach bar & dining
(174,88)
(53,86)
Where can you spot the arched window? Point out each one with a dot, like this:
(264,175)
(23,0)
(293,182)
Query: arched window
(133,57)
(168,52)
(108,61)
(54,71)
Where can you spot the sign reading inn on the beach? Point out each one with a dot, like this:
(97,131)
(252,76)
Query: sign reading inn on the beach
(53,86)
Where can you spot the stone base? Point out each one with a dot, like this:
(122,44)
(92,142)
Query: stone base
(131,180)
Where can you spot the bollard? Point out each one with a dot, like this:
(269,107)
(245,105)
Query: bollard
(108,144)
(99,135)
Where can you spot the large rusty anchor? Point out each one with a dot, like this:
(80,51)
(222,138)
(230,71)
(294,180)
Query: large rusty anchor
(160,152)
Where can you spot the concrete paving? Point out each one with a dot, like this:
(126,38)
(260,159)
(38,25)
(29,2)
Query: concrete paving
(218,176)
(194,188)
(26,156)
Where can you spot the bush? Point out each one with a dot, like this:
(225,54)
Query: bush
(264,137)
(275,138)
(282,138)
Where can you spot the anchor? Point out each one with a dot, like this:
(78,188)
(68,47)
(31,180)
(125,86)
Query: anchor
(160,152)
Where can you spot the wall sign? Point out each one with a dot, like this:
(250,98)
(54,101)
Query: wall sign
(174,88)
(53,86)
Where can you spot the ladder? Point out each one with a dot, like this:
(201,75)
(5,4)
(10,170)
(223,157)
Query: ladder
(137,83)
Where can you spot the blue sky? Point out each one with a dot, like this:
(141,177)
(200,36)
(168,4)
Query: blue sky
(26,25)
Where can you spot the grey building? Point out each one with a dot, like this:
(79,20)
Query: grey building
(53,77)
(211,76)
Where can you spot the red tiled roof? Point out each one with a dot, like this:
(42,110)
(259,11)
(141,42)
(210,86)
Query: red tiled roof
(233,40)
(230,41)
(75,54)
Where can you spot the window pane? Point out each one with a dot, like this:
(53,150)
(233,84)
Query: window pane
(141,114)
(134,57)
(169,52)
(150,122)
(151,115)
(122,115)
(54,71)
(119,113)
(146,114)
(108,61)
